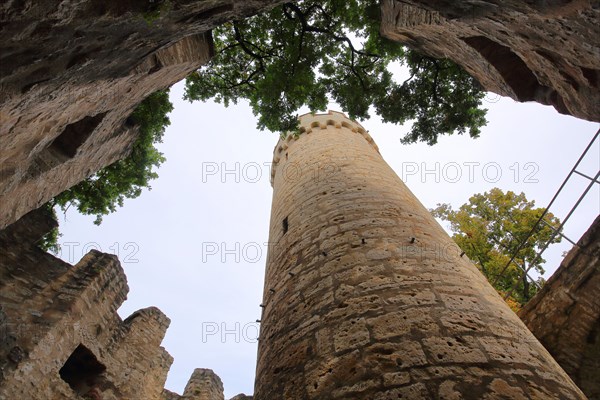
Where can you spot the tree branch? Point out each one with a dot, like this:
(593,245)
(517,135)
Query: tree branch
(242,43)
(311,28)
(434,87)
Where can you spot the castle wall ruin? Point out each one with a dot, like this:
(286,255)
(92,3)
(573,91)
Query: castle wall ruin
(62,337)
(543,51)
(60,334)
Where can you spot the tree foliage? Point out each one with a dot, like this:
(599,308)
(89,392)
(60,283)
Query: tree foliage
(298,54)
(101,193)
(308,53)
(49,242)
(490,228)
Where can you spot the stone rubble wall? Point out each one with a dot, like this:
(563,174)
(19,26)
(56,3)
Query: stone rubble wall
(76,69)
(48,308)
(204,384)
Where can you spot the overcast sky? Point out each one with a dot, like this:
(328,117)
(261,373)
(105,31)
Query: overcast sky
(194,245)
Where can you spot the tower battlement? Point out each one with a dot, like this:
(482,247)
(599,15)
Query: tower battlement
(310,123)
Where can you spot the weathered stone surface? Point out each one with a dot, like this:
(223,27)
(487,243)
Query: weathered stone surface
(363,313)
(241,396)
(565,314)
(70,75)
(342,316)
(204,384)
(168,395)
(544,51)
(60,335)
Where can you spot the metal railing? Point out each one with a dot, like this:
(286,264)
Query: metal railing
(555,231)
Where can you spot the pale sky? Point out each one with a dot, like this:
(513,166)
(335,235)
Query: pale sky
(194,245)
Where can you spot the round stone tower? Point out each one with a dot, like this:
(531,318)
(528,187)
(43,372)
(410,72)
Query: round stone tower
(367,297)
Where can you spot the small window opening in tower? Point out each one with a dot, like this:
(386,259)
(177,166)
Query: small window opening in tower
(75,134)
(82,371)
(65,146)
(285,225)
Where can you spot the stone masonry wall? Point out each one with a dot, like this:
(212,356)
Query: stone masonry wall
(52,312)
(71,73)
(544,51)
(61,337)
(565,313)
(367,297)
(242,397)
(204,384)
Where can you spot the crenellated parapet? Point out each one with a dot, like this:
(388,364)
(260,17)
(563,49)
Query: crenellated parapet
(135,348)
(309,123)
